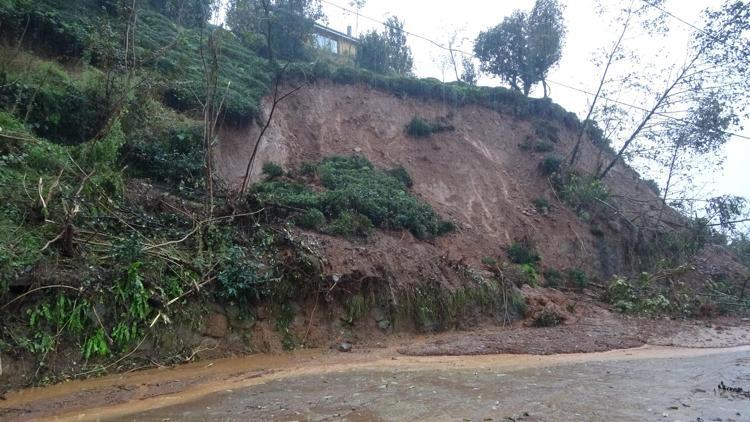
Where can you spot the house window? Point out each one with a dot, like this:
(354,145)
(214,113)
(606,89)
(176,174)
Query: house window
(325,43)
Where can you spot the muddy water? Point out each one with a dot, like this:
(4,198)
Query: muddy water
(637,384)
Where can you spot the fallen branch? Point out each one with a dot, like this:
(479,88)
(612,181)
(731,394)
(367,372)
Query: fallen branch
(56,238)
(312,314)
(53,286)
(190,291)
(276,101)
(197,227)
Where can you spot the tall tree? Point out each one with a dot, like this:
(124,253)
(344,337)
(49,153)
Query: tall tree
(469,74)
(386,52)
(703,135)
(285,25)
(546,34)
(524,47)
(715,69)
(187,12)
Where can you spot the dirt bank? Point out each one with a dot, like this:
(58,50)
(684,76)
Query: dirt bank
(591,334)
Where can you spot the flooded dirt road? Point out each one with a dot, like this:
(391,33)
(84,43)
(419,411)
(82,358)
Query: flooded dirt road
(648,383)
(640,386)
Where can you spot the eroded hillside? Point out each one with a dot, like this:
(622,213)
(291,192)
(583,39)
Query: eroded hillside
(483,175)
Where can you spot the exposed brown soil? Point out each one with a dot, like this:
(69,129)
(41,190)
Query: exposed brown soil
(591,334)
(477,176)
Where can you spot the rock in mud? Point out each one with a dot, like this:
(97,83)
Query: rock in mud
(216,326)
(384,324)
(345,347)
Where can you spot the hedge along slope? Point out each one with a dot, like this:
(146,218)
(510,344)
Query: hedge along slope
(169,54)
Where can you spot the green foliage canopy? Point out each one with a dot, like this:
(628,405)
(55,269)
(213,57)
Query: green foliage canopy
(386,52)
(284,25)
(523,48)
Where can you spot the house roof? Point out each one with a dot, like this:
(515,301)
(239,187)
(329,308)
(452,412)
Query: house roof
(334,33)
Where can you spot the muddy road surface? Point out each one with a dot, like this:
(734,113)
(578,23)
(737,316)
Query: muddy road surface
(648,383)
(640,386)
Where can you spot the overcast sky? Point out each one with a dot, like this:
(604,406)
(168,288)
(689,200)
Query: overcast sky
(587,33)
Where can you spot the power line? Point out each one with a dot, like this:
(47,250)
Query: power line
(422,37)
(673,16)
(391,27)
(641,108)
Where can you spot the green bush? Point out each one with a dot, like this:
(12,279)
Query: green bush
(166,149)
(545,130)
(552,277)
(241,279)
(489,261)
(528,274)
(542,205)
(84,29)
(272,170)
(523,252)
(419,128)
(54,104)
(550,165)
(646,298)
(548,318)
(350,224)
(355,189)
(401,174)
(578,278)
(308,168)
(582,192)
(312,219)
(445,227)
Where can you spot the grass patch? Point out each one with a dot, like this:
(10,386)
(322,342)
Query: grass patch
(272,170)
(523,252)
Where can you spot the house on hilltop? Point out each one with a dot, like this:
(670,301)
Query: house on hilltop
(332,41)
